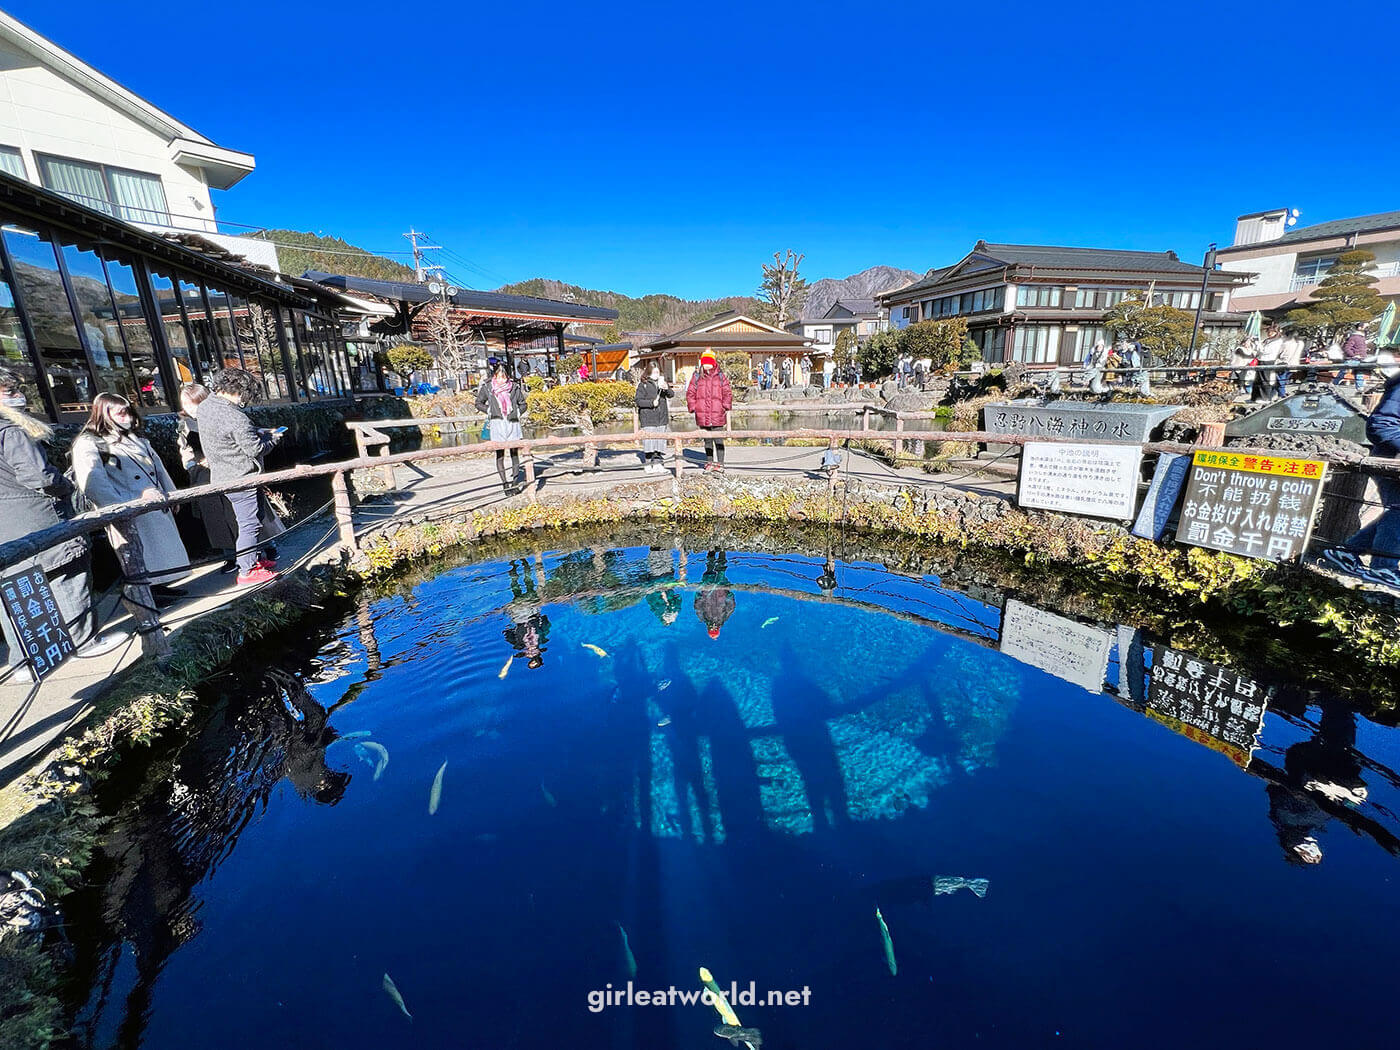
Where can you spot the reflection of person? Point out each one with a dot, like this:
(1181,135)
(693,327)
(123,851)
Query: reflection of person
(502,400)
(1322,767)
(710,398)
(234,449)
(1382,537)
(664,602)
(213,512)
(529,630)
(34,496)
(113,464)
(714,602)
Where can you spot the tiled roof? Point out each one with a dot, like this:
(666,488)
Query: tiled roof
(485,303)
(1085,258)
(1341,227)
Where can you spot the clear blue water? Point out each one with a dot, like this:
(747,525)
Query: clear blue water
(742,802)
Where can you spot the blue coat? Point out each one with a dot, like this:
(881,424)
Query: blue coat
(1383,428)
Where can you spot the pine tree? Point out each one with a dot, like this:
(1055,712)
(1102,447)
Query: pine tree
(1345,298)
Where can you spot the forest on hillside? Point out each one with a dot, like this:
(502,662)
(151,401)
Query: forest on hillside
(332,255)
(649,313)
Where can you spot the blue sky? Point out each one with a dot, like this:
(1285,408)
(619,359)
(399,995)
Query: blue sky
(668,148)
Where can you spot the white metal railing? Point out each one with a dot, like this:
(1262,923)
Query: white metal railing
(1379,271)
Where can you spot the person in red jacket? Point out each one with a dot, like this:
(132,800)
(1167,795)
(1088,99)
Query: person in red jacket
(710,399)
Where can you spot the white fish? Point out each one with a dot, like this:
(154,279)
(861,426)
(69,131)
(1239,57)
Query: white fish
(547,796)
(770,620)
(505,667)
(393,991)
(631,960)
(594,649)
(889,944)
(663,723)
(665,683)
(381,754)
(435,795)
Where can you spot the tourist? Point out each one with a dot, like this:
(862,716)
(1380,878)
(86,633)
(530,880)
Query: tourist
(112,463)
(709,398)
(714,601)
(1353,352)
(1242,359)
(1094,365)
(767,373)
(919,375)
(1268,382)
(1381,538)
(1291,357)
(654,415)
(35,496)
(214,512)
(786,372)
(583,371)
(502,400)
(233,449)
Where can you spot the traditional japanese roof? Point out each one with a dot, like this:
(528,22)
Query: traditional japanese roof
(730,330)
(1385,220)
(851,308)
(483,304)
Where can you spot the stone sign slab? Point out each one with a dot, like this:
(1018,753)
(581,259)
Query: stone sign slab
(1210,704)
(39,625)
(1078,419)
(1257,506)
(1075,652)
(1310,412)
(1168,479)
(1096,480)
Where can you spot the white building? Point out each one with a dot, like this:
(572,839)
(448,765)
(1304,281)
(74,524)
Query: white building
(861,316)
(67,127)
(1290,261)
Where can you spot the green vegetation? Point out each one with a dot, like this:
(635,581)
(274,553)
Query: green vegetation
(1346,297)
(579,404)
(407,358)
(735,364)
(944,343)
(1164,331)
(845,347)
(332,255)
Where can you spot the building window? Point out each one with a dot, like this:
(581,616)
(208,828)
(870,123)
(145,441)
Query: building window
(140,344)
(134,196)
(992,343)
(97,319)
(1089,335)
(1312,271)
(1039,294)
(1180,300)
(41,294)
(821,335)
(1036,344)
(1098,298)
(14,346)
(172,322)
(12,163)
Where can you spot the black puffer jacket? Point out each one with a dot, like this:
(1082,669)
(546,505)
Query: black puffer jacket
(653,408)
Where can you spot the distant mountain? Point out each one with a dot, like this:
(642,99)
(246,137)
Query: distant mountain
(821,294)
(649,314)
(298,252)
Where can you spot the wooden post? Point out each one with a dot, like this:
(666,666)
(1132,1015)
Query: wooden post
(530,474)
(1212,435)
(344,520)
(864,417)
(898,442)
(679,449)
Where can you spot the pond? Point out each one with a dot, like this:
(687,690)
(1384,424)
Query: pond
(937,813)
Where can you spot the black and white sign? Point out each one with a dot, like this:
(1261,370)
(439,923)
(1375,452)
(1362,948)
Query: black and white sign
(39,625)
(1100,481)
(1204,698)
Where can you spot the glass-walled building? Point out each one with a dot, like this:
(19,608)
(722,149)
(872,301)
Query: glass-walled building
(89,303)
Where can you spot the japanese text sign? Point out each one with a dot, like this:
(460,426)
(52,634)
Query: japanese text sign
(1259,506)
(1210,704)
(1097,480)
(39,625)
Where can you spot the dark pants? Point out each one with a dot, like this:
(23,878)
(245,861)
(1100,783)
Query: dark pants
(1383,535)
(514,465)
(249,521)
(714,447)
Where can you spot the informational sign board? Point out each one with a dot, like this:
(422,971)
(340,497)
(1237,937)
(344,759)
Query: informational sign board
(1100,481)
(1078,419)
(1075,652)
(1310,412)
(39,625)
(1210,704)
(1257,506)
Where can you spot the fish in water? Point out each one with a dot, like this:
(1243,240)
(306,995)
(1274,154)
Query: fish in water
(665,683)
(663,723)
(435,795)
(547,796)
(627,955)
(362,753)
(594,649)
(889,944)
(393,991)
(505,667)
(381,756)
(738,1036)
(768,622)
(952,883)
(359,734)
(717,999)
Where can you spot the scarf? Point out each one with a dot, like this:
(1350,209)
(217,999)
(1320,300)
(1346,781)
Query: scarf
(501,388)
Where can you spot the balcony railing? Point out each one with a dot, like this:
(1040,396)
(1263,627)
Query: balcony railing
(159,219)
(1304,281)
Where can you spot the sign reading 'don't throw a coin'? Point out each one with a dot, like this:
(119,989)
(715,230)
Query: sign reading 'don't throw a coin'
(1257,506)
(1212,705)
(1098,480)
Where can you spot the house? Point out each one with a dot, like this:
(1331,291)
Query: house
(1288,264)
(678,354)
(863,317)
(1044,305)
(69,128)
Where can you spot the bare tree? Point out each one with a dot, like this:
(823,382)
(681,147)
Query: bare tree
(783,290)
(454,345)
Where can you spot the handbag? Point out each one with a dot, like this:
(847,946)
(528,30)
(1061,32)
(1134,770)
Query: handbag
(486,431)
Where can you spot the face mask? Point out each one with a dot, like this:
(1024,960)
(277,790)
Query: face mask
(14,401)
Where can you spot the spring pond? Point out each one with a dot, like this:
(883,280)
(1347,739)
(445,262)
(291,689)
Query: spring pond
(662,755)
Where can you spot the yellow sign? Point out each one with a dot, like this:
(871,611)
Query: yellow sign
(1257,464)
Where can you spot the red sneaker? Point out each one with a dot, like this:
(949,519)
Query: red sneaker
(256,575)
(270,564)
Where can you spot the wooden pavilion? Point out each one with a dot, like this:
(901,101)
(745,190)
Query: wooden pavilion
(678,354)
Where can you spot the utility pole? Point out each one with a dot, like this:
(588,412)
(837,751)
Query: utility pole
(418,250)
(1207,265)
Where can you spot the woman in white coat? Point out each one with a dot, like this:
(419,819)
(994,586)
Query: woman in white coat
(112,463)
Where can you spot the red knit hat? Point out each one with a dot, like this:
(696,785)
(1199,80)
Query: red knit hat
(714,632)
(708,355)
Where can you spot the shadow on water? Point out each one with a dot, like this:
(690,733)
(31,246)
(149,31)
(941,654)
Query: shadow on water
(750,759)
